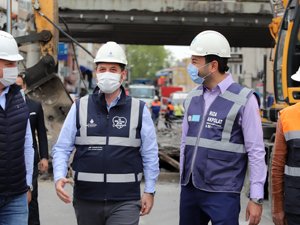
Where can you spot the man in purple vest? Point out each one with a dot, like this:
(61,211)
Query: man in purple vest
(221,134)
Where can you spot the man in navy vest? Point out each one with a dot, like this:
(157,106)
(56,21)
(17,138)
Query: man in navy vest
(16,152)
(115,144)
(221,133)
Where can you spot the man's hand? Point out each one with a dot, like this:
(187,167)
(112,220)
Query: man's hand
(44,165)
(279,218)
(147,203)
(253,213)
(61,193)
(29,196)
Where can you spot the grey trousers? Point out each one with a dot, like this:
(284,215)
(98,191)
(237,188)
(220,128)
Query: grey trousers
(107,212)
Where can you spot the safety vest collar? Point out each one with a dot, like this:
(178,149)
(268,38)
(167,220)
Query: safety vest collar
(84,139)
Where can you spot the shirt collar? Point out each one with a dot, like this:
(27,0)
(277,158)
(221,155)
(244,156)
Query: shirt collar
(5,91)
(224,84)
(115,101)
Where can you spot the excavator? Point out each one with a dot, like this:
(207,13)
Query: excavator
(43,84)
(285,29)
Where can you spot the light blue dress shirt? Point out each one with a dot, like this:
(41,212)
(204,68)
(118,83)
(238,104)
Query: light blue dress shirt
(149,150)
(28,147)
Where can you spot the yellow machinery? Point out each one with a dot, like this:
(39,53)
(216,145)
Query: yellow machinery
(285,30)
(43,84)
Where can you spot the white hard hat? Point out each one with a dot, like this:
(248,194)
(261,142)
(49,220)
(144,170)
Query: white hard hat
(111,52)
(296,76)
(210,42)
(155,97)
(8,47)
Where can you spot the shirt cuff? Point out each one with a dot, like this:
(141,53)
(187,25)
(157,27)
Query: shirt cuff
(29,180)
(257,191)
(149,186)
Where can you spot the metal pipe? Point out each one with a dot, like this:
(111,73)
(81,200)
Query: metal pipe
(8,16)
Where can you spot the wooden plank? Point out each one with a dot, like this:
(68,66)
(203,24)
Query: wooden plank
(163,156)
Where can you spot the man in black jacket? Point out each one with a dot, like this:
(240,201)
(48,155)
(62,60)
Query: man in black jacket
(40,148)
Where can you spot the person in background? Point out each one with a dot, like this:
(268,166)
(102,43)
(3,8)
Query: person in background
(16,151)
(178,110)
(38,130)
(286,166)
(169,115)
(115,144)
(170,108)
(221,135)
(155,110)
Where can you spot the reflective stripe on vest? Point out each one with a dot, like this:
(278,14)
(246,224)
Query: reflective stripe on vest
(239,100)
(118,141)
(292,135)
(193,93)
(292,171)
(218,145)
(110,178)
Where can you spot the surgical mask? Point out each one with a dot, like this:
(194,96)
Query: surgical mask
(9,76)
(108,82)
(193,71)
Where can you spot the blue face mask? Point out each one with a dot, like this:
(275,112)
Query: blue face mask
(193,72)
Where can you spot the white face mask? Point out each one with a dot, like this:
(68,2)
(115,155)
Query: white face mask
(108,82)
(9,76)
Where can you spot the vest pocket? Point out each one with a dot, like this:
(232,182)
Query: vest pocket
(220,168)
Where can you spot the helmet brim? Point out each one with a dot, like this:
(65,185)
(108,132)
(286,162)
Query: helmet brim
(109,60)
(12,58)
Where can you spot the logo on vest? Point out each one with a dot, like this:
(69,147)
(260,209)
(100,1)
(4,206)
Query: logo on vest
(194,118)
(119,122)
(213,121)
(91,123)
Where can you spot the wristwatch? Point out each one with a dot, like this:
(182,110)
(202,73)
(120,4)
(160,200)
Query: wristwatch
(153,193)
(258,201)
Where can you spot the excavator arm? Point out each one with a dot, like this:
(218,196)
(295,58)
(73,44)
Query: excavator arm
(43,84)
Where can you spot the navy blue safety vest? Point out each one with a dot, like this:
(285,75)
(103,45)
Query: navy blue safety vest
(107,162)
(290,119)
(13,122)
(214,155)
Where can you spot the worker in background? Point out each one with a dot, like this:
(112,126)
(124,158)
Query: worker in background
(16,152)
(155,110)
(169,115)
(178,110)
(221,133)
(286,166)
(170,108)
(115,144)
(38,130)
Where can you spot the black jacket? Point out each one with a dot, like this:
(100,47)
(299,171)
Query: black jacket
(13,122)
(38,130)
